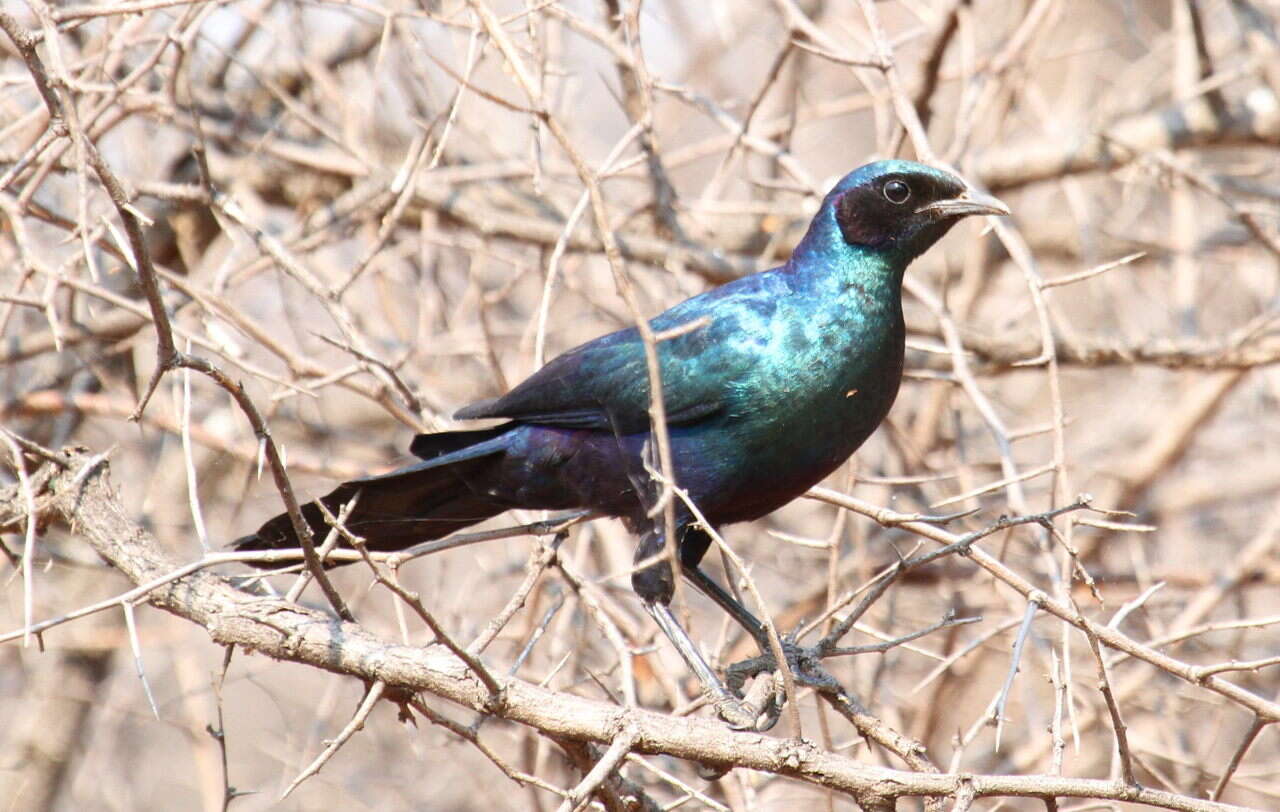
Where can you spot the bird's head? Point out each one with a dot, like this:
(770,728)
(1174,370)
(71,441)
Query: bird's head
(898,208)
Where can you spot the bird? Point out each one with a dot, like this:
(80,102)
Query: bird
(769,383)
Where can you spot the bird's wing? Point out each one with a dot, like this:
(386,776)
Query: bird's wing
(604,384)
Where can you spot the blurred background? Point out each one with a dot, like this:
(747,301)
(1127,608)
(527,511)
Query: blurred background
(396,235)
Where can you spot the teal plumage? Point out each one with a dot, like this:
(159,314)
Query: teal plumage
(776,379)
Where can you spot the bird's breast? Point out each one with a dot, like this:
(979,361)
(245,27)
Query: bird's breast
(819,389)
(833,368)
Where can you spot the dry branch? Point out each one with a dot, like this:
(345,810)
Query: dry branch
(83,497)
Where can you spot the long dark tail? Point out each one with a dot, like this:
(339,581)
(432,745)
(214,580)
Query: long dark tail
(421,502)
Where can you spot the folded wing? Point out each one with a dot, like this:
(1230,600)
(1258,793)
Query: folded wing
(604,384)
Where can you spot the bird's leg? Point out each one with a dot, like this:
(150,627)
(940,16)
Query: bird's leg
(740,715)
(804,664)
(656,587)
(707,586)
(694,544)
(762,706)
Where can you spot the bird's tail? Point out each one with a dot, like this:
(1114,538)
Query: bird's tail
(394,511)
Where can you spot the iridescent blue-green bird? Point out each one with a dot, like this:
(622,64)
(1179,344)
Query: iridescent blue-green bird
(777,380)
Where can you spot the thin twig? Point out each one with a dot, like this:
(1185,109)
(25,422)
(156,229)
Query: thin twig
(371,697)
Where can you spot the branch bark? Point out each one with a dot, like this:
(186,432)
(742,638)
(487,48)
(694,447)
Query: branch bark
(79,492)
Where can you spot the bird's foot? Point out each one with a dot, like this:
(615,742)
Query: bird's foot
(738,713)
(768,694)
(806,665)
(806,668)
(758,709)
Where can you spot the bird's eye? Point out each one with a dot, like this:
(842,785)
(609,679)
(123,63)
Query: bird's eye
(896,191)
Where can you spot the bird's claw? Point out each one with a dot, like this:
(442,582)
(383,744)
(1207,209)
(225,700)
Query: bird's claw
(712,772)
(804,661)
(809,672)
(757,709)
(806,665)
(739,714)
(767,693)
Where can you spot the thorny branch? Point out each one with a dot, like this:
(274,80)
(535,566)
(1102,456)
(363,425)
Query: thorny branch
(83,497)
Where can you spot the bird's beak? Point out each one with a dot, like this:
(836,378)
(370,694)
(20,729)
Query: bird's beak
(969,202)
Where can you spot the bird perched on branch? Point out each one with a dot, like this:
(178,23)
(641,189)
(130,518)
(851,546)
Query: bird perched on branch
(769,383)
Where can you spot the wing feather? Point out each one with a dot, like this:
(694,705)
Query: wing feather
(604,384)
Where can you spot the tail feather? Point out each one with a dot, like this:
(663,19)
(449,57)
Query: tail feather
(432,447)
(424,501)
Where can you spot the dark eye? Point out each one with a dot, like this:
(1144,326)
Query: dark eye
(896,191)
